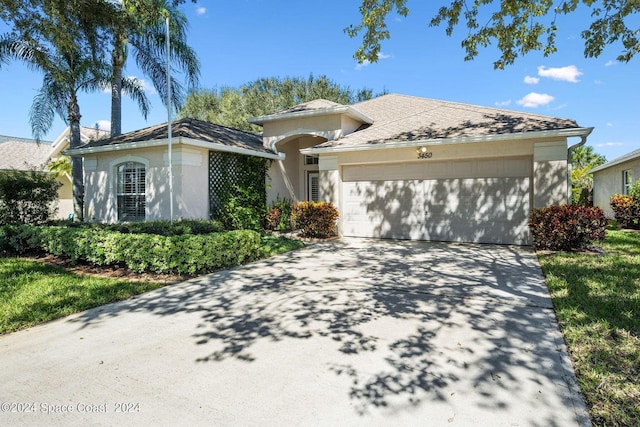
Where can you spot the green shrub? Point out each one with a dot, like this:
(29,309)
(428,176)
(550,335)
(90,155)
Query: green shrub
(243,209)
(182,254)
(568,227)
(634,190)
(626,210)
(27,197)
(166,228)
(314,219)
(238,199)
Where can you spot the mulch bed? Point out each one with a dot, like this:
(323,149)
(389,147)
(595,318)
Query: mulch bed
(112,271)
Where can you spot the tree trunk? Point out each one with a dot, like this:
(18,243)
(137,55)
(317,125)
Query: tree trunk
(116,87)
(77,172)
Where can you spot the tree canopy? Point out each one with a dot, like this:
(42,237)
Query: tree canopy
(516,27)
(232,107)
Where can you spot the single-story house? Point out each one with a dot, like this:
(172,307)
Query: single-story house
(28,154)
(395,166)
(614,177)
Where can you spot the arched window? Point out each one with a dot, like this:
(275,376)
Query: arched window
(131,191)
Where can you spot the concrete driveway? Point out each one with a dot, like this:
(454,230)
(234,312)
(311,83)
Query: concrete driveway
(352,332)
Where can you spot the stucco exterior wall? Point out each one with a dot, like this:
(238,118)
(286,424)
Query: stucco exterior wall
(65,198)
(191,182)
(439,152)
(190,171)
(608,182)
(550,174)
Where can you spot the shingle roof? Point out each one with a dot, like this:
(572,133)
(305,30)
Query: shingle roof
(23,154)
(312,108)
(316,104)
(398,118)
(187,128)
(629,156)
(5,138)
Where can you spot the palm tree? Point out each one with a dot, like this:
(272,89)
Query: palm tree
(55,39)
(141,28)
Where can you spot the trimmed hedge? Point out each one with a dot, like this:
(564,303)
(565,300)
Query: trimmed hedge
(568,227)
(314,219)
(181,254)
(160,227)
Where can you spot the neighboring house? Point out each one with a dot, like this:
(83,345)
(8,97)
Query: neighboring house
(395,166)
(26,154)
(615,177)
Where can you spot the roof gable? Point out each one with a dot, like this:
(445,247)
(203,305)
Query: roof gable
(316,107)
(625,158)
(188,128)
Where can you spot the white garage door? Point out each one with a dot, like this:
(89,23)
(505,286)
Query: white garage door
(484,201)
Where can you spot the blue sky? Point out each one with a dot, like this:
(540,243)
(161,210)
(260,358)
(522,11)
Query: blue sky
(240,41)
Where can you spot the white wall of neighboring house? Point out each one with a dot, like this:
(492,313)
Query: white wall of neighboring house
(608,182)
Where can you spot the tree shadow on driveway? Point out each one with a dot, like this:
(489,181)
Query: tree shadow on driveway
(468,328)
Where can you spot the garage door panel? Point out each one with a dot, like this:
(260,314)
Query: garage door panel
(485,210)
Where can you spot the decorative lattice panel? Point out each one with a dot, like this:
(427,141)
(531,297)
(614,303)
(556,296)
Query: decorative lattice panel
(224,171)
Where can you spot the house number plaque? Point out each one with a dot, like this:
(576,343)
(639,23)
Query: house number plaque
(423,153)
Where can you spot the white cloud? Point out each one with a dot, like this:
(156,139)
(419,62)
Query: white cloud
(200,10)
(597,82)
(503,103)
(361,65)
(570,73)
(610,144)
(104,125)
(610,63)
(366,62)
(534,100)
(531,80)
(609,124)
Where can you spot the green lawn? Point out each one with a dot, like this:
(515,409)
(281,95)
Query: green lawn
(597,301)
(32,292)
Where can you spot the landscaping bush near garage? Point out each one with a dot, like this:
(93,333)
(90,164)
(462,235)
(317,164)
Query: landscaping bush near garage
(181,254)
(568,227)
(314,219)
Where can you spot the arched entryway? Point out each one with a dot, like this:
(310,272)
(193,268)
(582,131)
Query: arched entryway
(295,178)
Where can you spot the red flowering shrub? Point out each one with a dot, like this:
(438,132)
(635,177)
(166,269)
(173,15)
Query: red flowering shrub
(314,219)
(626,210)
(568,227)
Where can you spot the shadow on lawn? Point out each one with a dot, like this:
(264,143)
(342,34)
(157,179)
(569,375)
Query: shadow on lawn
(348,290)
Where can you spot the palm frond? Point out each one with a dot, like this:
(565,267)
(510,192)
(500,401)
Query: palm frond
(43,110)
(155,69)
(133,88)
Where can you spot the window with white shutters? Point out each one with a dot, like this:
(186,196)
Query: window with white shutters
(131,191)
